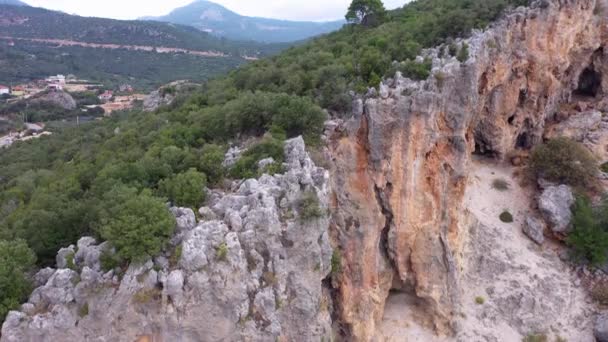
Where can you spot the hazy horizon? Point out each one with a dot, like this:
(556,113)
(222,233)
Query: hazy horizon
(309,10)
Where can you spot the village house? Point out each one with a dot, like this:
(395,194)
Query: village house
(125,88)
(18,90)
(55,86)
(4,90)
(106,96)
(59,79)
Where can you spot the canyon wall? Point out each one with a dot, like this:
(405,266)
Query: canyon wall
(400,164)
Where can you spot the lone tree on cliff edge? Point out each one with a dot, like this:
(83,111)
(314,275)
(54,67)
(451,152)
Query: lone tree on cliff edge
(366,12)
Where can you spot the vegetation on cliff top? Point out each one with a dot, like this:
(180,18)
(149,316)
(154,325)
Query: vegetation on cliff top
(102,178)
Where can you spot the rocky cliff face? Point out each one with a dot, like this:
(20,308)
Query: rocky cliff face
(251,269)
(411,214)
(402,162)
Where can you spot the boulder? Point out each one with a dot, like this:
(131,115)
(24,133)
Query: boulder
(600,329)
(534,228)
(554,204)
(63,255)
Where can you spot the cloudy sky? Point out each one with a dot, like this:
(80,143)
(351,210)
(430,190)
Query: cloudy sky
(282,9)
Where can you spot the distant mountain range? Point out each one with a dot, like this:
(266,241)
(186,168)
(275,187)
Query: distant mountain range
(13,2)
(36,42)
(218,20)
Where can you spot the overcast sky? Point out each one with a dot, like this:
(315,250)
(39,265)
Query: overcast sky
(281,9)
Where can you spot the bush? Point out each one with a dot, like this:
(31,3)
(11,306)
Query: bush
(186,189)
(221,252)
(500,184)
(212,157)
(309,206)
(599,293)
(564,161)
(16,259)
(336,262)
(589,236)
(463,54)
(506,217)
(536,338)
(479,300)
(247,165)
(138,228)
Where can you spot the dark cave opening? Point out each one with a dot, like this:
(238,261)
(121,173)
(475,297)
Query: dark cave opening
(589,83)
(523,141)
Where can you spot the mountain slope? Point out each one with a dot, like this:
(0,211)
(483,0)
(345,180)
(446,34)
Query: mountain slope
(30,22)
(13,2)
(211,17)
(36,43)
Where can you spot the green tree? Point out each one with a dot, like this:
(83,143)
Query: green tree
(212,157)
(366,12)
(139,227)
(589,237)
(185,189)
(16,259)
(565,161)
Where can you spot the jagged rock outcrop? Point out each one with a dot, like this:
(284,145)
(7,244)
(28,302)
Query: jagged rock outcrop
(58,98)
(401,162)
(252,270)
(165,95)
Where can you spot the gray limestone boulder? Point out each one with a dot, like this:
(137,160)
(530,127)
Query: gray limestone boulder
(534,228)
(600,330)
(554,204)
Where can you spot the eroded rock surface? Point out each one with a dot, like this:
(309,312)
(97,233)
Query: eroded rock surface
(402,161)
(252,271)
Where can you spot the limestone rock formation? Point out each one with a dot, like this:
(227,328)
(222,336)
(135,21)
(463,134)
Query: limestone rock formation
(534,228)
(555,203)
(58,98)
(402,162)
(601,328)
(165,95)
(253,272)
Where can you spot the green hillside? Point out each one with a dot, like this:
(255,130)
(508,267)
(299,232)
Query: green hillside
(74,182)
(22,60)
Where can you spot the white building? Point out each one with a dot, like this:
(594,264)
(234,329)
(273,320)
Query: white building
(59,79)
(4,90)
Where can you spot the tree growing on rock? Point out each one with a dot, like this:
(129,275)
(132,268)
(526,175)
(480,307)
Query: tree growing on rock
(138,227)
(366,12)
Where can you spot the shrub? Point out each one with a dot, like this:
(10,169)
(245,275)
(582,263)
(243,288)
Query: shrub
(536,338)
(221,252)
(564,161)
(599,293)
(69,259)
(246,166)
(145,296)
(463,54)
(83,311)
(212,157)
(176,256)
(479,300)
(138,228)
(186,189)
(506,217)
(16,259)
(589,236)
(309,206)
(336,262)
(500,184)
